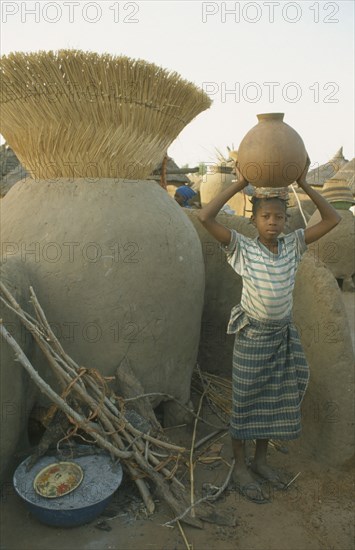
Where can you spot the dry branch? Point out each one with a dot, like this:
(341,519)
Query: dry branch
(192,483)
(172,398)
(210,498)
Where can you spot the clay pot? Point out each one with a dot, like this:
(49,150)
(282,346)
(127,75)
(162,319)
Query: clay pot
(336,248)
(271,154)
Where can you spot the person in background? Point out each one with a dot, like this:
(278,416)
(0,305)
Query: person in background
(183,195)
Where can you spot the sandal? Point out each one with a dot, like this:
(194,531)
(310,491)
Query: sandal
(253,492)
(275,481)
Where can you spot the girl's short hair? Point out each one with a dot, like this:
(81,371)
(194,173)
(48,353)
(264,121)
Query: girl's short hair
(257,201)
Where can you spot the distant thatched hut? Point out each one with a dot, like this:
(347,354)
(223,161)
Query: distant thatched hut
(173,180)
(347,173)
(318,176)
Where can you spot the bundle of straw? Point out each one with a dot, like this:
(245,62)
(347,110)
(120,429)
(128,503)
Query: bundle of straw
(218,392)
(80,114)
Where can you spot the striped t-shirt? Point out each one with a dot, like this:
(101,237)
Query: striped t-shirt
(268,279)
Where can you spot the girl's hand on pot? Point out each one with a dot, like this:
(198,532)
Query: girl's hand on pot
(241,179)
(302,179)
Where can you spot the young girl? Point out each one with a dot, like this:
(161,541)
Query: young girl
(270,373)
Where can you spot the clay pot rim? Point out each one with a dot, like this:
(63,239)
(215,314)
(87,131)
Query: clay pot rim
(270,116)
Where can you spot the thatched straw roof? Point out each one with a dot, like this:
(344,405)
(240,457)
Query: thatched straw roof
(347,173)
(79,113)
(318,176)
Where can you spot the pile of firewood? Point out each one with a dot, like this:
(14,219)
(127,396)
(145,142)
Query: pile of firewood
(102,417)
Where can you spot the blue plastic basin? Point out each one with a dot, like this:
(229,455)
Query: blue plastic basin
(101,479)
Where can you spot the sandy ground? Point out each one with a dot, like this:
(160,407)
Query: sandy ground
(315,513)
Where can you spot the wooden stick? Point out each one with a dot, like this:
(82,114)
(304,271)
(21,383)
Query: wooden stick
(210,498)
(34,330)
(148,437)
(51,334)
(13,302)
(188,546)
(154,460)
(157,442)
(175,171)
(172,398)
(292,480)
(164,492)
(212,442)
(163,172)
(207,438)
(143,489)
(192,486)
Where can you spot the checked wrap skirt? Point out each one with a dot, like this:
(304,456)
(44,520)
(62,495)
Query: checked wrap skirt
(270,377)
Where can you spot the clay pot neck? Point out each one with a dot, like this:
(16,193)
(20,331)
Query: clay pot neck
(265,117)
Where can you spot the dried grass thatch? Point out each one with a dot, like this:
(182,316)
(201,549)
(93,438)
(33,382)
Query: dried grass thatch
(347,173)
(80,114)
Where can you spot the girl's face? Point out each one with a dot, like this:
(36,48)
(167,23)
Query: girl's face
(270,219)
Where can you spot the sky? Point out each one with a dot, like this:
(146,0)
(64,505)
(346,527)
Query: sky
(250,57)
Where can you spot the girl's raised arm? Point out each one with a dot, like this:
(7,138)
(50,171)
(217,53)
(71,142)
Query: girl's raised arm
(330,217)
(207,215)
